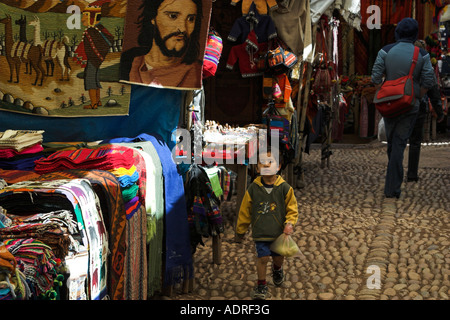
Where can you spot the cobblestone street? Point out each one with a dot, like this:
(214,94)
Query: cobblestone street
(346,230)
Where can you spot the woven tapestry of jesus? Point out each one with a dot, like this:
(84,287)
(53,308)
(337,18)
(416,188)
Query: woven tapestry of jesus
(164,43)
(61,58)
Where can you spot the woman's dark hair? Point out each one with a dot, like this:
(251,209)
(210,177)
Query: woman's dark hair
(147,29)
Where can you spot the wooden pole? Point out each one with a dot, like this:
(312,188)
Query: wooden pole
(300,179)
(303,101)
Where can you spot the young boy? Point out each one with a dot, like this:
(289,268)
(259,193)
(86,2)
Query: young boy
(270,206)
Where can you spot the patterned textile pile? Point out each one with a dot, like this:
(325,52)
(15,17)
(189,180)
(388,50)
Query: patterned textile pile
(42,210)
(29,270)
(128,234)
(128,167)
(19,149)
(37,265)
(56,229)
(107,188)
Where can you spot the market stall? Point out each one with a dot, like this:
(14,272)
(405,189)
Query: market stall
(108,195)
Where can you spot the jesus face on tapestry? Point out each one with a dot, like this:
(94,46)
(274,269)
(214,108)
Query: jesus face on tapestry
(174,25)
(171,42)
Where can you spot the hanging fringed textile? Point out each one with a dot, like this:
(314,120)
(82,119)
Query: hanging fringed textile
(178,257)
(154,203)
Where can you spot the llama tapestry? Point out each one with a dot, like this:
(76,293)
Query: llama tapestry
(61,58)
(164,43)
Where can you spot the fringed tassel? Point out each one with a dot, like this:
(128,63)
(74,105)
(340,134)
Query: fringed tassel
(155,232)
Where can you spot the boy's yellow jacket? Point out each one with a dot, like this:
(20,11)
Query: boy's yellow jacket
(267,213)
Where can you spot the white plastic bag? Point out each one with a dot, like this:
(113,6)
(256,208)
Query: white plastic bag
(284,245)
(381,131)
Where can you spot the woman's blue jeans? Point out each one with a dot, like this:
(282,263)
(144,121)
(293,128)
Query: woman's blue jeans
(398,130)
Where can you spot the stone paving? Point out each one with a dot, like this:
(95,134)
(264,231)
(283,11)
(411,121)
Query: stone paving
(348,234)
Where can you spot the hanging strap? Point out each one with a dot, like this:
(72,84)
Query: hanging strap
(414,61)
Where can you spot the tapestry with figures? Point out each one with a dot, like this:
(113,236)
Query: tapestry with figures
(61,58)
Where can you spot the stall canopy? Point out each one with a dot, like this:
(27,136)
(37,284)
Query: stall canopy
(349,9)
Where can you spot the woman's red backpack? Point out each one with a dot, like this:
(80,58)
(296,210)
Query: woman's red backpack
(396,97)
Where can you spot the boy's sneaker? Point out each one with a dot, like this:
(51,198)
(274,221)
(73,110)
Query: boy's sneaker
(260,292)
(277,276)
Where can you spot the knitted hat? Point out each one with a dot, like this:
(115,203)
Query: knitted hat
(407,29)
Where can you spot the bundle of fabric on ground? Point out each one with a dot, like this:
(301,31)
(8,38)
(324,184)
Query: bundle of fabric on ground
(10,279)
(34,273)
(77,197)
(19,149)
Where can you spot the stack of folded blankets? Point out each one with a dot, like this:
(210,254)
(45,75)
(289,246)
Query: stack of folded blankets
(103,158)
(56,229)
(19,149)
(115,159)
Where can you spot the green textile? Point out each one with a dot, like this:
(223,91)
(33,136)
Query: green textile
(215,182)
(130,192)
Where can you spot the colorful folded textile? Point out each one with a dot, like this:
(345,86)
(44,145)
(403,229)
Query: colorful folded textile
(54,229)
(9,153)
(119,171)
(130,192)
(178,264)
(128,180)
(20,139)
(131,207)
(49,233)
(154,207)
(100,158)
